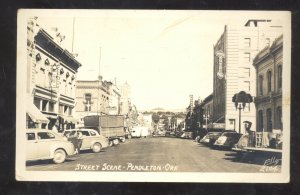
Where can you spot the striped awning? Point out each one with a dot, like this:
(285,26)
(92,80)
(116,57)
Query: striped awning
(34,113)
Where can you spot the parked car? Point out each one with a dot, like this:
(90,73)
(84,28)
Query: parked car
(91,139)
(210,138)
(44,144)
(170,133)
(187,135)
(228,139)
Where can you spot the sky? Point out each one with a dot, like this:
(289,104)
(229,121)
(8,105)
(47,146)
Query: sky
(164,56)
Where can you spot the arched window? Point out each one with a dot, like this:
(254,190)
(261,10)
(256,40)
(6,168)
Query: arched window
(260,87)
(269,120)
(279,73)
(260,120)
(279,117)
(269,76)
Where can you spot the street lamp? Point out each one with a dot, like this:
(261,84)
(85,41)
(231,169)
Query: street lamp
(240,99)
(206,117)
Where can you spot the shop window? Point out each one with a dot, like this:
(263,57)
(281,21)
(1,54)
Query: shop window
(269,76)
(279,77)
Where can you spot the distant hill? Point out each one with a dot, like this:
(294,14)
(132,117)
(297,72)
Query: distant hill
(166,110)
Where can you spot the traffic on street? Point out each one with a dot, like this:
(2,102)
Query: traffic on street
(158,154)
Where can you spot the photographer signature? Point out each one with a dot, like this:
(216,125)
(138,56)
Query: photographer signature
(271,165)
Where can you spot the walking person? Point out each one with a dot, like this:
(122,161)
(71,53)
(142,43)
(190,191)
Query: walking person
(76,140)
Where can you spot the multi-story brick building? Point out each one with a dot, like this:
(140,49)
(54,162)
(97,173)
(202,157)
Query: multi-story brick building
(268,101)
(92,97)
(233,70)
(51,76)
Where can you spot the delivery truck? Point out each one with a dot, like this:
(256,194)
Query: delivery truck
(110,126)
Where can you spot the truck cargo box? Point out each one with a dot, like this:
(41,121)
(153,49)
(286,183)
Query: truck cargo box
(112,126)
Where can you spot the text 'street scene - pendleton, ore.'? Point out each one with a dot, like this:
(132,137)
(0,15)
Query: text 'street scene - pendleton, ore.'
(153,95)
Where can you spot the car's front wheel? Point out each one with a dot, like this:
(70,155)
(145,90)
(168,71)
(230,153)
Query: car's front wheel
(59,156)
(96,147)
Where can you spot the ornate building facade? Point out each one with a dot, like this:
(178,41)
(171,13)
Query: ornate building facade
(51,77)
(92,97)
(233,70)
(268,101)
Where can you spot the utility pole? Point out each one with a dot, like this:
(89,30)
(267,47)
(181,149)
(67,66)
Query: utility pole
(99,80)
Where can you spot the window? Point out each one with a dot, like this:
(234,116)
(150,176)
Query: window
(279,117)
(44,105)
(260,120)
(247,57)
(50,78)
(51,106)
(93,133)
(65,109)
(70,111)
(61,109)
(30,136)
(269,120)
(45,135)
(261,80)
(86,133)
(246,86)
(269,75)
(279,77)
(36,102)
(88,101)
(247,42)
(268,41)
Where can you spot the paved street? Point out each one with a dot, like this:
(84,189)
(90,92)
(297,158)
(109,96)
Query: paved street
(154,154)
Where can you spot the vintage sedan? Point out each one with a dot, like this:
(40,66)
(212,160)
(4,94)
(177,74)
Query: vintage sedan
(91,139)
(210,138)
(45,144)
(228,139)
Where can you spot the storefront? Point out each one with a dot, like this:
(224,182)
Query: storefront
(35,119)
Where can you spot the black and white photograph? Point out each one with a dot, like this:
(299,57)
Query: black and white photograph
(153,96)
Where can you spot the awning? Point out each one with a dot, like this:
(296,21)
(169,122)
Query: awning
(69,119)
(34,113)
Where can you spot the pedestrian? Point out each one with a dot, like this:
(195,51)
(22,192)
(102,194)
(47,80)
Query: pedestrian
(76,140)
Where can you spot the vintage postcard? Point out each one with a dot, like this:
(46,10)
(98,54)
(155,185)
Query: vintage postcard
(153,96)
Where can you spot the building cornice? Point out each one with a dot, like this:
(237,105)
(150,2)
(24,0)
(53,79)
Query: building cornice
(45,41)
